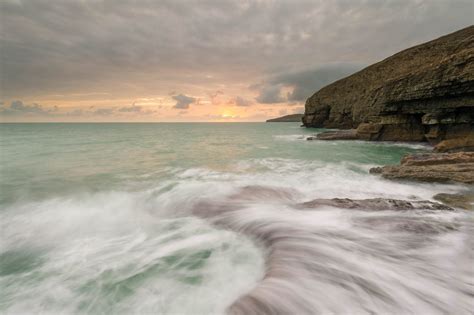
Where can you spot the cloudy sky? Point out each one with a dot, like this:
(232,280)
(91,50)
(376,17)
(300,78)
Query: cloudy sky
(144,60)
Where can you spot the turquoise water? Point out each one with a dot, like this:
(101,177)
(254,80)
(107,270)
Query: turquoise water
(50,160)
(101,218)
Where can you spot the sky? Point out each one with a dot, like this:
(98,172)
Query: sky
(166,61)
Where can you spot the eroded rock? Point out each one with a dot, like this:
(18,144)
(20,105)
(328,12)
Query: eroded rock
(456,145)
(463,201)
(432,167)
(374,204)
(350,134)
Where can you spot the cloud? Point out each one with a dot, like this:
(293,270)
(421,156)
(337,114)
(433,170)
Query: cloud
(137,109)
(239,101)
(270,94)
(68,42)
(214,96)
(75,113)
(306,83)
(18,108)
(103,111)
(183,101)
(303,83)
(131,109)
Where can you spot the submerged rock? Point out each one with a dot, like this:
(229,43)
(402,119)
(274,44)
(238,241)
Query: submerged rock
(463,201)
(432,167)
(424,93)
(375,204)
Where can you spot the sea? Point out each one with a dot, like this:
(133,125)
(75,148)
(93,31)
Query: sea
(206,218)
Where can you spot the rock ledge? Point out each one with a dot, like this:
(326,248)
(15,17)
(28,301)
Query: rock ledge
(432,167)
(375,204)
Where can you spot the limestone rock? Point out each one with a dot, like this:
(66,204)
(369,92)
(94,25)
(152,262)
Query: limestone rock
(422,93)
(432,167)
(369,131)
(456,145)
(375,204)
(463,201)
(350,134)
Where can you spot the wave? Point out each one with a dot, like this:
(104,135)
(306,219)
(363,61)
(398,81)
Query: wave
(119,252)
(304,137)
(295,137)
(209,241)
(341,260)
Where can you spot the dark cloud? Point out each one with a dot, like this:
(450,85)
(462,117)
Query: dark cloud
(303,83)
(270,94)
(183,101)
(307,82)
(18,108)
(136,109)
(240,101)
(66,43)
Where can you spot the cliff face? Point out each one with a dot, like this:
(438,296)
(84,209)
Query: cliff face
(422,93)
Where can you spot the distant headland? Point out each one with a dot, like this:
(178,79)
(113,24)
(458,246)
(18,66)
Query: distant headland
(287,118)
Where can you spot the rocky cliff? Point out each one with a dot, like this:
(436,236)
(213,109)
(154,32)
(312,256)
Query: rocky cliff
(422,93)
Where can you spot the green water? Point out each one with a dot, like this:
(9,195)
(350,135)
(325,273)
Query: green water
(40,161)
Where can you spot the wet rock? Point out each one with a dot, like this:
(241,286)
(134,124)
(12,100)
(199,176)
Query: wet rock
(432,167)
(374,204)
(350,134)
(463,201)
(410,224)
(456,145)
(424,93)
(369,131)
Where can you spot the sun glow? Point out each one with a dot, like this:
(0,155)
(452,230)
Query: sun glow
(228,114)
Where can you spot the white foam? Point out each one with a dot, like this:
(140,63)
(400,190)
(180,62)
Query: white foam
(111,252)
(294,137)
(107,252)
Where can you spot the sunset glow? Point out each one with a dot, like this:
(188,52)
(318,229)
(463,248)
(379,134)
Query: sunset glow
(178,61)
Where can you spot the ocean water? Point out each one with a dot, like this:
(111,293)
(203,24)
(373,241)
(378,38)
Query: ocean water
(203,218)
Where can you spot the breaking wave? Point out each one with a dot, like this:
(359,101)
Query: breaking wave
(212,241)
